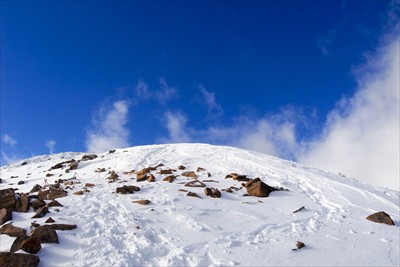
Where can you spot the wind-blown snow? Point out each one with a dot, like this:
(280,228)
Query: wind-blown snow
(176,230)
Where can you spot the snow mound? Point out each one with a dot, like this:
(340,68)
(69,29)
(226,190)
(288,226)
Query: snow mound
(178,230)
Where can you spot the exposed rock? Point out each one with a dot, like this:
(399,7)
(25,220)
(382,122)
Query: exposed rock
(168,171)
(49,220)
(195,183)
(151,178)
(20,182)
(127,189)
(111,151)
(78,193)
(88,157)
(18,259)
(381,217)
(63,227)
(46,234)
(142,201)
(51,194)
(181,167)
(169,178)
(34,224)
(300,245)
(22,204)
(208,174)
(5,215)
(191,174)
(27,244)
(200,169)
(141,177)
(11,230)
(237,177)
(24,163)
(258,188)
(100,170)
(49,175)
(299,209)
(35,188)
(182,190)
(89,185)
(192,194)
(159,165)
(7,199)
(113,176)
(73,165)
(54,203)
(143,171)
(212,192)
(60,165)
(41,212)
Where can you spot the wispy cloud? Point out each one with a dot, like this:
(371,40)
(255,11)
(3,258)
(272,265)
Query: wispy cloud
(50,144)
(214,109)
(8,158)
(164,94)
(175,122)
(8,140)
(108,129)
(361,136)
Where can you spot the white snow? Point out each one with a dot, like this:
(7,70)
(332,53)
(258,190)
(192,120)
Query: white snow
(177,230)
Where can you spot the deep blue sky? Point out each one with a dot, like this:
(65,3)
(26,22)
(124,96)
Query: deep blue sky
(60,60)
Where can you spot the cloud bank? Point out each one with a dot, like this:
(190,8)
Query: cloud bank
(108,130)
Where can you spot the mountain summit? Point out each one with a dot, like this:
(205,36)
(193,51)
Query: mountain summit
(191,205)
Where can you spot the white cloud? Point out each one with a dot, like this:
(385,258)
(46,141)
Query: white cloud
(142,90)
(50,144)
(8,140)
(213,108)
(175,122)
(166,93)
(361,136)
(108,129)
(8,159)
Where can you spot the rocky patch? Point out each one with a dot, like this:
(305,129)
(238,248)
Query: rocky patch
(45,234)
(192,194)
(12,230)
(258,188)
(212,192)
(190,174)
(169,178)
(18,259)
(195,183)
(127,189)
(5,215)
(142,201)
(7,199)
(381,217)
(41,212)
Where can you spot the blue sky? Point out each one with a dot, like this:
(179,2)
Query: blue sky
(263,75)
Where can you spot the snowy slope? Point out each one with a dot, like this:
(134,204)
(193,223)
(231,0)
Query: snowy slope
(177,230)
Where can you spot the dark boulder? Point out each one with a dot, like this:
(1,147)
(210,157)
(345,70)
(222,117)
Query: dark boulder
(7,199)
(18,259)
(212,192)
(46,234)
(5,215)
(12,230)
(258,188)
(22,204)
(381,217)
(41,212)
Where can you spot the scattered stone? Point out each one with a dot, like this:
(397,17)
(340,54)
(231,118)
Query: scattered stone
(129,172)
(127,189)
(113,176)
(208,174)
(18,259)
(41,212)
(160,165)
(54,203)
(111,151)
(51,194)
(210,181)
(168,171)
(63,227)
(22,204)
(141,177)
(49,220)
(237,177)
(88,157)
(181,167)
(258,188)
(299,209)
(14,176)
(195,183)
(381,217)
(73,165)
(142,201)
(20,182)
(11,230)
(27,244)
(182,190)
(191,174)
(24,163)
(192,194)
(5,215)
(7,199)
(34,224)
(60,165)
(89,185)
(78,193)
(143,171)
(151,178)
(200,169)
(299,245)
(229,190)
(212,192)
(46,234)
(100,170)
(169,178)
(35,188)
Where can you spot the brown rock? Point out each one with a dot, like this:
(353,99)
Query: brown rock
(143,171)
(195,183)
(381,217)
(212,192)
(20,182)
(18,259)
(100,170)
(22,204)
(12,230)
(182,190)
(258,188)
(200,169)
(31,245)
(192,194)
(168,171)
(35,188)
(37,203)
(127,189)
(51,194)
(113,176)
(78,193)
(63,227)
(151,178)
(7,199)
(49,220)
(41,212)
(49,175)
(169,178)
(54,203)
(181,167)
(141,177)
(46,234)
(89,185)
(142,201)
(237,177)
(5,215)
(88,157)
(300,245)
(191,174)
(34,224)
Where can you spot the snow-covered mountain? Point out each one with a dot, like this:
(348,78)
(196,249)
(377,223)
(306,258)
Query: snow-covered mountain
(175,229)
